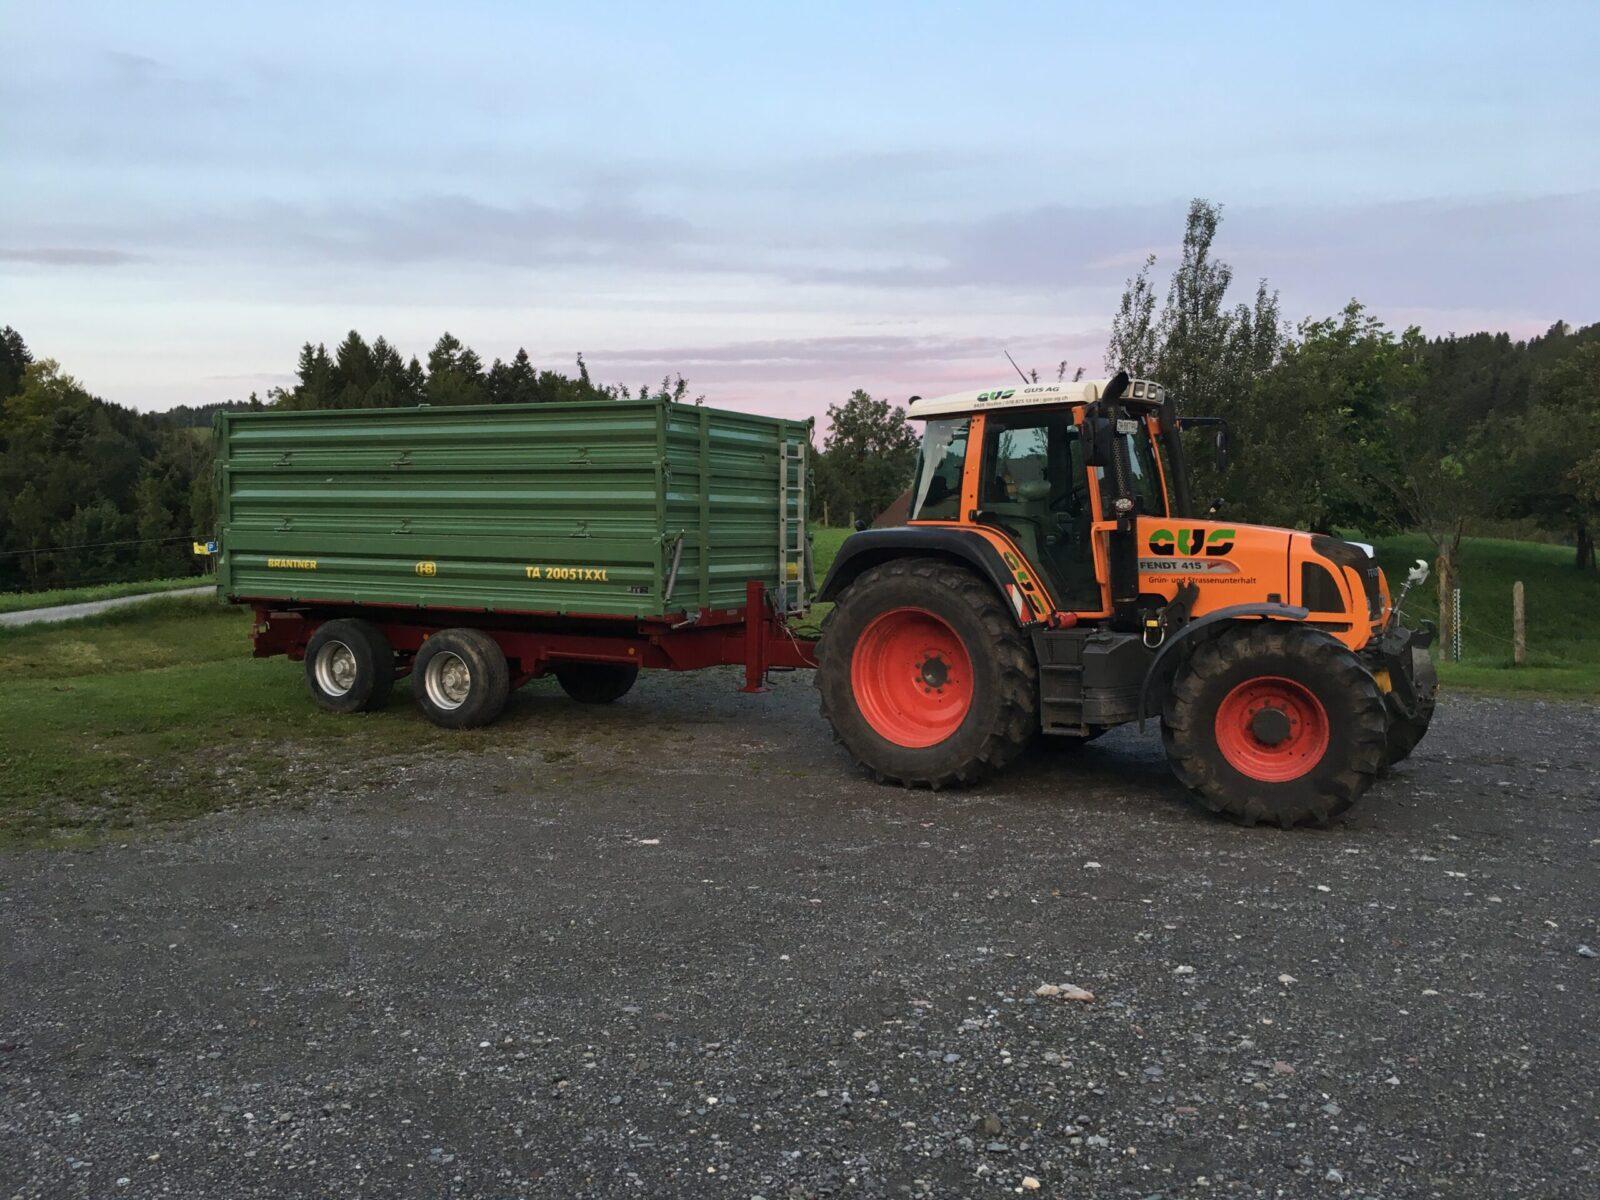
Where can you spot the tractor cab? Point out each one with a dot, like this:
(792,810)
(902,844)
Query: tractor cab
(1051,466)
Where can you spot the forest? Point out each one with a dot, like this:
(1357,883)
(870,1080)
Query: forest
(1337,422)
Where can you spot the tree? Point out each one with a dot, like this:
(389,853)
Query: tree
(515,382)
(1210,356)
(1550,462)
(455,373)
(14,359)
(867,457)
(1134,346)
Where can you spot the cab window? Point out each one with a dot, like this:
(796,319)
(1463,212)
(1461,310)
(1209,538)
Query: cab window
(936,493)
(1144,477)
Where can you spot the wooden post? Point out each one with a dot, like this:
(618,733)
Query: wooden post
(1444,608)
(1519,625)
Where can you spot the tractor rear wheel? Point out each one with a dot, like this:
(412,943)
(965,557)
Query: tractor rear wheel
(1275,723)
(925,676)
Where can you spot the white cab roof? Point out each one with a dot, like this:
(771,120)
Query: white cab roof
(1023,395)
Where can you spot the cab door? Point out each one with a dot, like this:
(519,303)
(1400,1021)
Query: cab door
(1033,485)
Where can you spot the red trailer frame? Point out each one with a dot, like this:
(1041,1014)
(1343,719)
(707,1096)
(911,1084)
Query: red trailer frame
(754,636)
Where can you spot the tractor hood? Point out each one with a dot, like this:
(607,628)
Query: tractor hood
(1231,563)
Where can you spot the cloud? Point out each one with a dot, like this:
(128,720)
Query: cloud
(1500,254)
(67,256)
(431,228)
(892,362)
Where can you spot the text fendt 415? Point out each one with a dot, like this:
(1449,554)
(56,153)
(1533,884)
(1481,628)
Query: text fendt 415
(1055,577)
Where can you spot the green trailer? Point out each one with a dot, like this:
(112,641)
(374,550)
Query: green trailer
(642,532)
(630,508)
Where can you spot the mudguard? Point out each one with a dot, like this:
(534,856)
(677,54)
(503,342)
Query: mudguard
(1166,660)
(866,549)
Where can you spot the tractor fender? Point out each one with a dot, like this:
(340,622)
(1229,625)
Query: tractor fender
(1159,674)
(870,547)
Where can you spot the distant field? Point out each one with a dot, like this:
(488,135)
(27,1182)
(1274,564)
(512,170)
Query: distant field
(22,601)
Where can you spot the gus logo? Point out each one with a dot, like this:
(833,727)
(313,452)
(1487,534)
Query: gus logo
(997,394)
(1028,598)
(1190,542)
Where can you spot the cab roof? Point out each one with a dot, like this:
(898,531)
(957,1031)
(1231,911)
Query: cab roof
(1024,395)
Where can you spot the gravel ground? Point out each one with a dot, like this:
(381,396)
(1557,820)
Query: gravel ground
(678,947)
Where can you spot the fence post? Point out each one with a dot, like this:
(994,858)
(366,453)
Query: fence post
(1455,624)
(1445,625)
(1519,625)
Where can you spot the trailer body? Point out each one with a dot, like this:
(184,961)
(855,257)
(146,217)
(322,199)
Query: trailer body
(632,509)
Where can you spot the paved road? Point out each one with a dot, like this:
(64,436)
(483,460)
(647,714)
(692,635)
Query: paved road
(677,947)
(69,612)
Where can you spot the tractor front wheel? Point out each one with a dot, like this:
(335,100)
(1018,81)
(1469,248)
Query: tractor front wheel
(1275,723)
(925,676)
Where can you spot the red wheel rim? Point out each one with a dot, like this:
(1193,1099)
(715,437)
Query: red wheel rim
(1272,729)
(912,677)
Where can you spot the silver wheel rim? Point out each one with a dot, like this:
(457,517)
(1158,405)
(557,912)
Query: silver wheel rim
(447,680)
(336,669)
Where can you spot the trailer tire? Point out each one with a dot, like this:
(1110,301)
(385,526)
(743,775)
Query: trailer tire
(595,683)
(460,679)
(925,676)
(349,666)
(1275,723)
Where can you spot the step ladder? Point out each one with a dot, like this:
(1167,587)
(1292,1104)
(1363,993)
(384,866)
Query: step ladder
(794,547)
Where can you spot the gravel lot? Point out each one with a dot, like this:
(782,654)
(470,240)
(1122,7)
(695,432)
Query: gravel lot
(677,947)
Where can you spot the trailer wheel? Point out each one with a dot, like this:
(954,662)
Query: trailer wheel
(1275,723)
(925,676)
(595,683)
(460,678)
(349,666)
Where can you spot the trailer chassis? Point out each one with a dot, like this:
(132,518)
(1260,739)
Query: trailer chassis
(755,637)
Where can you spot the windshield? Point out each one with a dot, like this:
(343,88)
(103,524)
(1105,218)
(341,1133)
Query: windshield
(936,494)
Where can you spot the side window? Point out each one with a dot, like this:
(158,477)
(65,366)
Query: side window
(936,492)
(1032,462)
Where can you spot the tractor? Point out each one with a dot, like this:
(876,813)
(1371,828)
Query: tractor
(1055,579)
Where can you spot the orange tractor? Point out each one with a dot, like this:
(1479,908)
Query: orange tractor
(1055,577)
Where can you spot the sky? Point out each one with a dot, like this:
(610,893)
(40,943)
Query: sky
(781,202)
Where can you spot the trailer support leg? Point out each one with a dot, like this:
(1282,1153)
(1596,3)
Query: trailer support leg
(755,640)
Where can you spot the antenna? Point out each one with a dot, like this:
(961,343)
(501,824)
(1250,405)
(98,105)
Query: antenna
(1014,366)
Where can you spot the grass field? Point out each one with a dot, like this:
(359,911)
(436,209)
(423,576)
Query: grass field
(22,601)
(157,712)
(1563,639)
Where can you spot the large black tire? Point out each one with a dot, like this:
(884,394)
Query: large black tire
(1245,667)
(595,683)
(1406,732)
(1001,684)
(349,666)
(460,679)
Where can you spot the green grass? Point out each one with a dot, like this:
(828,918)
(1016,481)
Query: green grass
(1563,636)
(156,712)
(21,601)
